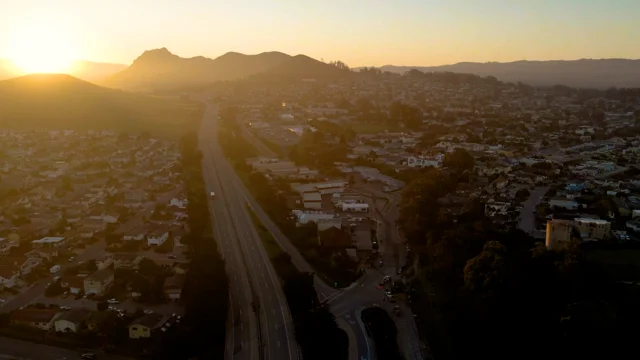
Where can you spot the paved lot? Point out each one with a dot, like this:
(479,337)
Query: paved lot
(23,350)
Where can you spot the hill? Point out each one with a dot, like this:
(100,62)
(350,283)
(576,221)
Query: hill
(160,68)
(85,70)
(303,67)
(62,101)
(584,73)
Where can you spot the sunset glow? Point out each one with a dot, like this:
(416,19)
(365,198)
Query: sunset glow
(40,49)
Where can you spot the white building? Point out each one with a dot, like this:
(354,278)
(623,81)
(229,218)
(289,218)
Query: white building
(436,161)
(157,237)
(355,207)
(49,242)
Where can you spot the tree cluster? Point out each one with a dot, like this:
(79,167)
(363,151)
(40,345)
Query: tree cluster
(477,283)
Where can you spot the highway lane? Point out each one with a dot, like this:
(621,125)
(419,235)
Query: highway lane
(242,340)
(242,335)
(275,324)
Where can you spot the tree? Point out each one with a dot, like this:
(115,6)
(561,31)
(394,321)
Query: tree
(460,160)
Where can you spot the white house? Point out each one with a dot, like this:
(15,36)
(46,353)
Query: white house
(157,237)
(180,203)
(72,320)
(49,241)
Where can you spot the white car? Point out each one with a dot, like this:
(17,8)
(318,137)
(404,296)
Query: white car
(148,311)
(113,301)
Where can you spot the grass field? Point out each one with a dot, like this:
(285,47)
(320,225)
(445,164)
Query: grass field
(622,264)
(61,101)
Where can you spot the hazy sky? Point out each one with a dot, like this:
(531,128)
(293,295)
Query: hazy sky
(358,32)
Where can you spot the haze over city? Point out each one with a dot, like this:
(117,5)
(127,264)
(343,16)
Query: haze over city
(319,180)
(358,32)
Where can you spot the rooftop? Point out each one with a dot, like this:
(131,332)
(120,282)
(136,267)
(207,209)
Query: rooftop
(48,240)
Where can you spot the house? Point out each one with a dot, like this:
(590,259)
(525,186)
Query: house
(75,284)
(111,218)
(8,276)
(158,236)
(49,242)
(312,200)
(126,260)
(172,287)
(558,233)
(33,317)
(334,237)
(24,264)
(563,203)
(436,162)
(593,229)
(43,253)
(144,326)
(72,320)
(98,282)
(179,203)
(324,224)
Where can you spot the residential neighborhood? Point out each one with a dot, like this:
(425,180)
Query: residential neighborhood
(91,222)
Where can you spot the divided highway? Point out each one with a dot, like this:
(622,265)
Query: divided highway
(261,325)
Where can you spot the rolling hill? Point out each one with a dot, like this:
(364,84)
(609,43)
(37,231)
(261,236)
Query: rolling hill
(62,101)
(585,73)
(85,70)
(303,67)
(161,69)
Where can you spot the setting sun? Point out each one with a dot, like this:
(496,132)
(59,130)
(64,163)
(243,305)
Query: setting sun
(41,49)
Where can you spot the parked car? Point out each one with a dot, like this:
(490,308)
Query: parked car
(89,356)
(172,257)
(113,301)
(148,311)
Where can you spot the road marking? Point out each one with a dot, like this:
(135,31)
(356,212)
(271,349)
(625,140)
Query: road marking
(278,343)
(274,310)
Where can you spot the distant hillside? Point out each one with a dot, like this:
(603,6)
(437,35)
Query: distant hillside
(62,101)
(161,69)
(303,67)
(85,70)
(584,73)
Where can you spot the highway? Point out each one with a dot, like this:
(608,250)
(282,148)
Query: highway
(268,332)
(347,303)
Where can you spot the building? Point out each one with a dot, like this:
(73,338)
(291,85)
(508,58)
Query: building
(307,217)
(72,320)
(436,162)
(355,207)
(8,276)
(144,326)
(157,236)
(593,229)
(126,260)
(558,233)
(563,203)
(33,317)
(49,242)
(312,200)
(172,287)
(98,283)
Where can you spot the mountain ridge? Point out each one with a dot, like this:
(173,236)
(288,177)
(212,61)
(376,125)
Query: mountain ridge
(598,73)
(82,69)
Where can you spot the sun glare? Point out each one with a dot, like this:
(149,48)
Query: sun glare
(41,49)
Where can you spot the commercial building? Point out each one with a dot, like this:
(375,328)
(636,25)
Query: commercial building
(49,242)
(558,233)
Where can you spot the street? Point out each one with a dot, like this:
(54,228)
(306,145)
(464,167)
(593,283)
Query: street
(253,279)
(527,216)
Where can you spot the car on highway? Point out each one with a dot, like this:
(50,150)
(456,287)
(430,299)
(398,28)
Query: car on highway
(213,195)
(89,356)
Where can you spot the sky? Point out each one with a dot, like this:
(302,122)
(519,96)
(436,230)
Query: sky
(357,32)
